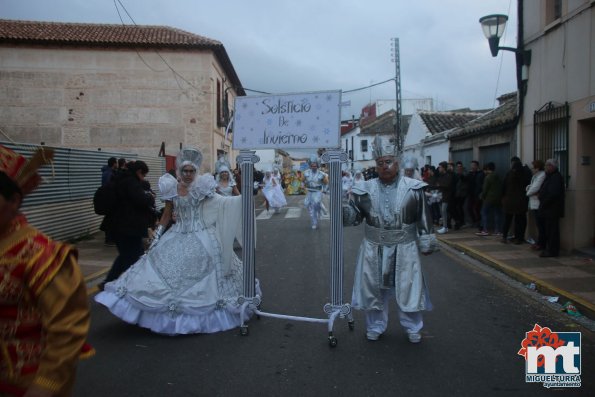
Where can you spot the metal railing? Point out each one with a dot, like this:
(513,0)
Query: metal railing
(551,125)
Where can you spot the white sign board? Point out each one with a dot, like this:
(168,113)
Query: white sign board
(294,121)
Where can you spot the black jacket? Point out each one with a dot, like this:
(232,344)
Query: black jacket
(551,196)
(134,211)
(514,192)
(475,180)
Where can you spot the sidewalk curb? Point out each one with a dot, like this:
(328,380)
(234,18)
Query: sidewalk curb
(96,275)
(543,287)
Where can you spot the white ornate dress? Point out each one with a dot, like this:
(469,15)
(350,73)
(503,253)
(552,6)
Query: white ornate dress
(191,280)
(226,190)
(273,192)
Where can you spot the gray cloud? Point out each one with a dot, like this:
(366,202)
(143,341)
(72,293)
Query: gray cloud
(311,45)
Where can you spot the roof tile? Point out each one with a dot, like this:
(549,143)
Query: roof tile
(437,122)
(58,32)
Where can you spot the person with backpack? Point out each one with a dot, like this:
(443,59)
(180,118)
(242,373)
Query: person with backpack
(108,173)
(130,218)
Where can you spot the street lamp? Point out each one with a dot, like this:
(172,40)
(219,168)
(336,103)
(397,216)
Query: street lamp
(493,28)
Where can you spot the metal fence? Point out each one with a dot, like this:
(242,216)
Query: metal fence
(62,207)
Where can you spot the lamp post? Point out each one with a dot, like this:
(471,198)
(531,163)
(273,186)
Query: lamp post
(493,28)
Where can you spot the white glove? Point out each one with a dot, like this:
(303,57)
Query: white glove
(156,236)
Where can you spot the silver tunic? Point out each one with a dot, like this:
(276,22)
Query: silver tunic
(398,225)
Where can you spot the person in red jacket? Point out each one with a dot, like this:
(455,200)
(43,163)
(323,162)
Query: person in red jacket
(44,315)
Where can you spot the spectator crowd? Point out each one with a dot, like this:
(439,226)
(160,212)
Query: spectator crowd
(480,198)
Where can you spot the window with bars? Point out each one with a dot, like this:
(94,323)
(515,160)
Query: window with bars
(551,135)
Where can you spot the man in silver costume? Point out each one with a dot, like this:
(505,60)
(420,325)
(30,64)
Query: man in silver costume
(315,181)
(398,225)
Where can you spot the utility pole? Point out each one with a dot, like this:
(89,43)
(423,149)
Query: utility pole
(395,57)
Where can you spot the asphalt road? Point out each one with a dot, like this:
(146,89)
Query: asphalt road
(469,348)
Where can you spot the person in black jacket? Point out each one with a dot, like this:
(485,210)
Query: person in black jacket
(132,216)
(515,203)
(461,192)
(551,207)
(475,183)
(444,183)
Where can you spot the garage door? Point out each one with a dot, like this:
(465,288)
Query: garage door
(464,156)
(497,154)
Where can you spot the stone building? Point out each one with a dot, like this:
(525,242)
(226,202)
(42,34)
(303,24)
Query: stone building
(123,88)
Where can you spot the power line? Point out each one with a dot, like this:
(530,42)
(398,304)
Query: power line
(137,53)
(192,85)
(156,52)
(369,86)
(501,60)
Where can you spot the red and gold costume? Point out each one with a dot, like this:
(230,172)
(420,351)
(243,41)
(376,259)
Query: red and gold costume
(44,315)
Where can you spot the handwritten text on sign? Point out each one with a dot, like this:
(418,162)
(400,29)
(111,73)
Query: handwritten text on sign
(308,120)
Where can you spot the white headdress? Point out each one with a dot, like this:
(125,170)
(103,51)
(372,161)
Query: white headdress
(188,156)
(410,162)
(222,165)
(382,149)
(313,159)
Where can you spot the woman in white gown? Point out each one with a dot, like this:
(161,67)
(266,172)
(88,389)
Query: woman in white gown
(358,179)
(273,192)
(190,279)
(226,186)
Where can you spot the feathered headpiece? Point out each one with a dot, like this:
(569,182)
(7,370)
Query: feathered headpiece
(313,159)
(222,165)
(380,149)
(24,172)
(188,156)
(410,162)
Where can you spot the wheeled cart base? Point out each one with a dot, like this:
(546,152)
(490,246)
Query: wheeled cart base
(251,302)
(333,312)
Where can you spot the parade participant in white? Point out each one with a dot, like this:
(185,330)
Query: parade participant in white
(226,186)
(346,184)
(315,181)
(190,279)
(410,167)
(397,225)
(272,190)
(358,178)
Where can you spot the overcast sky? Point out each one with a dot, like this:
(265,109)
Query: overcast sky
(283,46)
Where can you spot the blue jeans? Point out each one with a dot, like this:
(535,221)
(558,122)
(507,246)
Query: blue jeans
(489,213)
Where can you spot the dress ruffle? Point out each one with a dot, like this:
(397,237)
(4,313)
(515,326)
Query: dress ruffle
(166,321)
